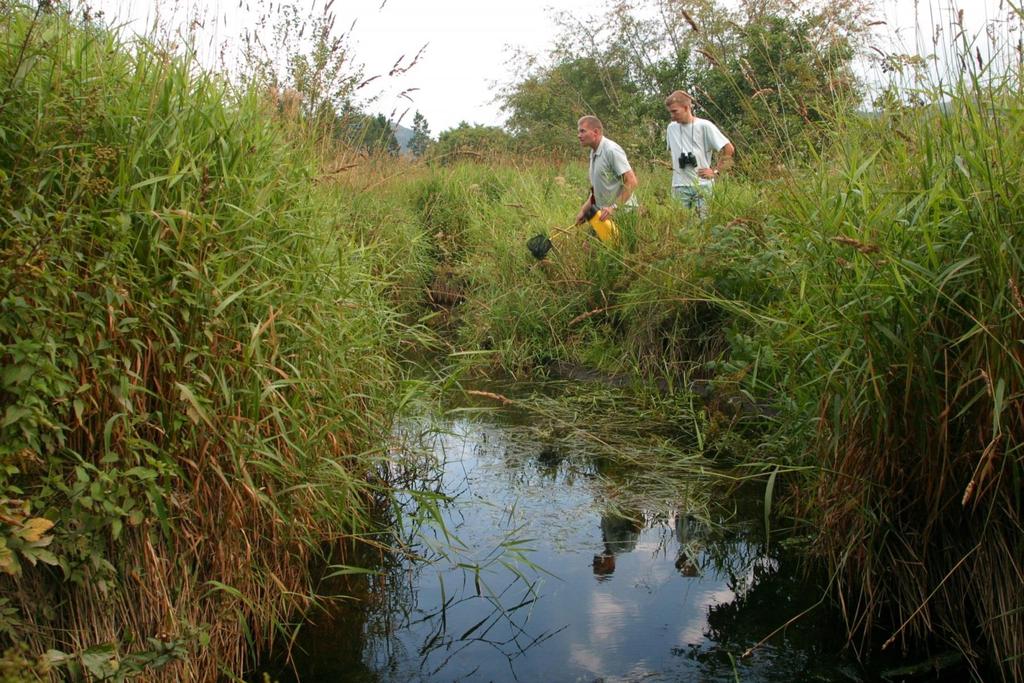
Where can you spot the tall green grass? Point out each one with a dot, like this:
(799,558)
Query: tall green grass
(199,357)
(911,302)
(646,304)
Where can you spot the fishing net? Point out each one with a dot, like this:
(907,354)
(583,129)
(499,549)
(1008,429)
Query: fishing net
(539,245)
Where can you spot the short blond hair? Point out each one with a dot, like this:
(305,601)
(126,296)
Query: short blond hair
(679,97)
(591,122)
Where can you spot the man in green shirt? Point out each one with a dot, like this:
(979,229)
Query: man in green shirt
(612,180)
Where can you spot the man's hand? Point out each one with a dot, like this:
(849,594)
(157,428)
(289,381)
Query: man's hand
(581,216)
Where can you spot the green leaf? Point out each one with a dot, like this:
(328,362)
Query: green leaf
(227,302)
(998,404)
(142,473)
(769,491)
(346,570)
(100,661)
(42,555)
(151,181)
(108,430)
(16,374)
(14,414)
(22,71)
(195,411)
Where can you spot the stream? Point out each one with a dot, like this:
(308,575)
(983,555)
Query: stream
(559,567)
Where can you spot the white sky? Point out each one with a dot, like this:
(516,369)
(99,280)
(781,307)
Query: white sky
(467,44)
(467,41)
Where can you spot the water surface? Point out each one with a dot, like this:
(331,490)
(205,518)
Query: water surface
(553,567)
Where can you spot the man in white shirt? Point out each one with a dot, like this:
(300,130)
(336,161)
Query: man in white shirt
(699,152)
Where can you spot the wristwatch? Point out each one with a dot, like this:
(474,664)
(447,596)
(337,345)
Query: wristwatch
(614,206)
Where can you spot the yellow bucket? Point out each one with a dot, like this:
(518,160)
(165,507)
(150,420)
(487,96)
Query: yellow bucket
(606,231)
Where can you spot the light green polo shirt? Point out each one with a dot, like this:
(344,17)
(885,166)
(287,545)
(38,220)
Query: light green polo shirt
(607,165)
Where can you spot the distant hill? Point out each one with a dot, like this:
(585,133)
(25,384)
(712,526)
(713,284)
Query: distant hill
(403,135)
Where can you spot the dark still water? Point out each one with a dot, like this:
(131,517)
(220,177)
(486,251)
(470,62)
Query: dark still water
(555,568)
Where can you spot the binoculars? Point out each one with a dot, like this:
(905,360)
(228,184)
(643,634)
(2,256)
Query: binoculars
(687,159)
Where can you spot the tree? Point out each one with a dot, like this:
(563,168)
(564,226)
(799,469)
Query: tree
(618,67)
(420,140)
(544,107)
(473,141)
(778,71)
(375,134)
(768,72)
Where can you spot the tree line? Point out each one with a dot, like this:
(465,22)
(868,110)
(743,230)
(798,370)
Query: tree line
(771,73)
(767,71)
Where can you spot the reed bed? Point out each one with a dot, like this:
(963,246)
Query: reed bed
(200,358)
(918,366)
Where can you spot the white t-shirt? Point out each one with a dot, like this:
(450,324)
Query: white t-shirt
(702,138)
